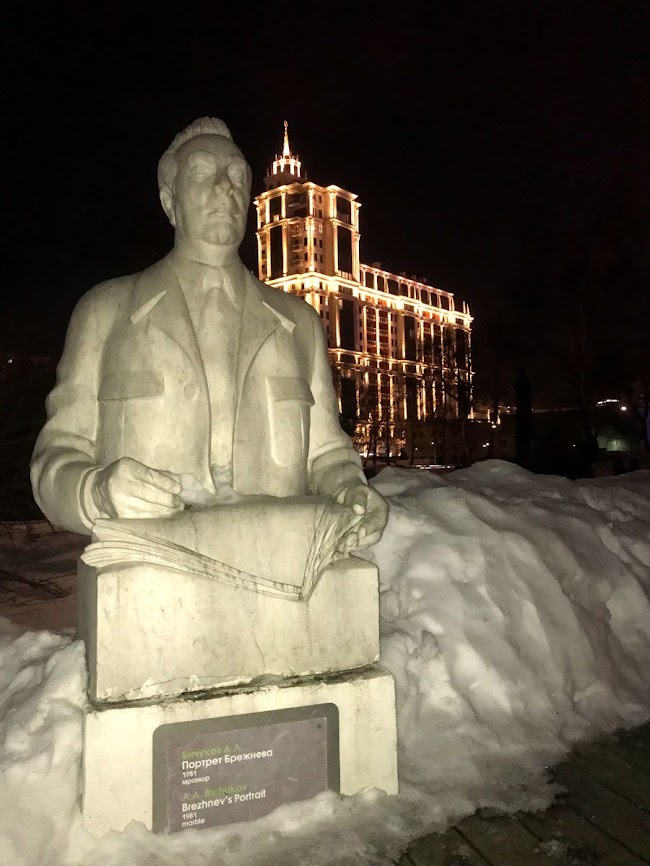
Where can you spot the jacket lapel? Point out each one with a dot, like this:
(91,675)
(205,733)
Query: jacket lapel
(258,323)
(159,300)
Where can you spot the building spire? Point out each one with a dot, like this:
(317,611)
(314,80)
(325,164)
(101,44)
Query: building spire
(286,150)
(286,168)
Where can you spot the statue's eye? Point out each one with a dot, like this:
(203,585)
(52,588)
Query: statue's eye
(237,172)
(201,166)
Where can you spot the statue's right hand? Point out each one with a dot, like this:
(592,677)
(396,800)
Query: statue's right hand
(127,488)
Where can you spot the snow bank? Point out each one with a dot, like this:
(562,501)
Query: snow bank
(515,619)
(42,696)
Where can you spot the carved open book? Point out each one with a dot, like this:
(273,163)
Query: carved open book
(277,546)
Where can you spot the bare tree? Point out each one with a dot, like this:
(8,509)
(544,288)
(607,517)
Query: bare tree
(457,384)
(638,396)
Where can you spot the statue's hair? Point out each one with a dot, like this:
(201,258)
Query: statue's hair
(202,126)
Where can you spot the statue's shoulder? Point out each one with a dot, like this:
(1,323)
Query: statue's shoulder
(116,293)
(109,295)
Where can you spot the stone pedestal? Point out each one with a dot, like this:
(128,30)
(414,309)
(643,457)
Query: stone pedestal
(118,754)
(153,632)
(169,654)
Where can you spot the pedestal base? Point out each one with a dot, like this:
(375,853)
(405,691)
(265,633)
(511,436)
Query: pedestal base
(118,751)
(152,632)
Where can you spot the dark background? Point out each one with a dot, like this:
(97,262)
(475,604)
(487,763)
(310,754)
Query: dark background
(499,149)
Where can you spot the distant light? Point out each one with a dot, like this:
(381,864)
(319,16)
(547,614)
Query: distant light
(623,408)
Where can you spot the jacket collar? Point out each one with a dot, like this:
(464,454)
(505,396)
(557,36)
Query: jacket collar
(153,284)
(158,299)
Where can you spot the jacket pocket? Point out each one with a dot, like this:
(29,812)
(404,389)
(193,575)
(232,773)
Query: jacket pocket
(290,401)
(130,385)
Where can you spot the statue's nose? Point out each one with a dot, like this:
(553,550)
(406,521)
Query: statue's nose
(223,184)
(223,192)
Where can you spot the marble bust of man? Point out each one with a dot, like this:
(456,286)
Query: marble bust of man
(194,368)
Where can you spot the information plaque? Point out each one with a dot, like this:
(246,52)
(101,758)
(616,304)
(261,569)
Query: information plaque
(219,771)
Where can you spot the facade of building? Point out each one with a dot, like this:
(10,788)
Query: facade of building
(399,348)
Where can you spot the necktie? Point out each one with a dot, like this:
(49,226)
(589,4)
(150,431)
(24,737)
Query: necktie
(218,336)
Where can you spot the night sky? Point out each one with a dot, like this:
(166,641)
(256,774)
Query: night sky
(499,149)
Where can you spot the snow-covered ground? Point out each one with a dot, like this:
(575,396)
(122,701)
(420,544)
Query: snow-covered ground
(515,619)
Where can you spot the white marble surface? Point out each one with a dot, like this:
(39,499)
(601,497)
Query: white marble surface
(195,383)
(195,368)
(188,384)
(117,762)
(194,633)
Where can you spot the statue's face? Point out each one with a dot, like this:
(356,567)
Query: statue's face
(211,192)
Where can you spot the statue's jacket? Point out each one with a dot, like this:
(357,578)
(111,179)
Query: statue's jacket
(131,382)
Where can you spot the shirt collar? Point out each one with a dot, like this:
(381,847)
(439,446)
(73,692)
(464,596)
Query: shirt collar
(197,277)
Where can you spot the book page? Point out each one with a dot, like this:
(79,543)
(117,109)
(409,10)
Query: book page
(268,544)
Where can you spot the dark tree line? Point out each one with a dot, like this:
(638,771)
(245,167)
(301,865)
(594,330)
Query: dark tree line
(576,332)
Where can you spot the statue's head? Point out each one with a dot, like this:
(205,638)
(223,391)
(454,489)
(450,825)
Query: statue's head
(204,183)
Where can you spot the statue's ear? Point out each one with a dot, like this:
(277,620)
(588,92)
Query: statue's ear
(167,202)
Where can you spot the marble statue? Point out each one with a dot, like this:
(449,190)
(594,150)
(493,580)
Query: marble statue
(193,433)
(195,375)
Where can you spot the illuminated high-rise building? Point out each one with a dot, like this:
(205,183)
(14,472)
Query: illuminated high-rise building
(399,348)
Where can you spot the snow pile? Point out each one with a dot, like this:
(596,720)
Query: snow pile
(515,619)
(42,696)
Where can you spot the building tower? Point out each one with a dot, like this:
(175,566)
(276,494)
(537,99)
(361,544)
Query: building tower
(394,342)
(304,228)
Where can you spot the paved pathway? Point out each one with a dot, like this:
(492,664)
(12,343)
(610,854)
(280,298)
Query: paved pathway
(602,820)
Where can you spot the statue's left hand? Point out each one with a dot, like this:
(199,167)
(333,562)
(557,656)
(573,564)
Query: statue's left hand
(374,508)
